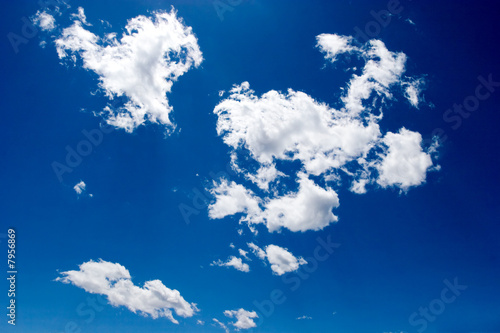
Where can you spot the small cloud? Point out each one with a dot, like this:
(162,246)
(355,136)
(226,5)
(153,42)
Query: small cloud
(244,318)
(80,187)
(243,253)
(303,317)
(282,261)
(44,21)
(410,21)
(221,325)
(237,263)
(200,322)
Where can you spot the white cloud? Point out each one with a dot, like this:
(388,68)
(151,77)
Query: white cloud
(310,208)
(80,16)
(142,66)
(261,254)
(243,253)
(114,281)
(382,69)
(44,21)
(276,128)
(243,318)
(281,260)
(303,317)
(200,322)
(80,187)
(334,45)
(404,164)
(232,199)
(221,325)
(233,261)
(413,89)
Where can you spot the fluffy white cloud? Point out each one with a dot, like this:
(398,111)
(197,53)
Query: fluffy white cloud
(233,261)
(334,45)
(114,281)
(142,66)
(404,164)
(281,260)
(310,208)
(243,318)
(330,144)
(44,21)
(80,187)
(232,199)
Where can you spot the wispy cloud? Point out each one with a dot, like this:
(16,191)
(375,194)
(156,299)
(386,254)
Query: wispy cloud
(233,261)
(303,317)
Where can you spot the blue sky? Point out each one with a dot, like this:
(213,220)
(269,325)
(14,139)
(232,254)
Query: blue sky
(168,216)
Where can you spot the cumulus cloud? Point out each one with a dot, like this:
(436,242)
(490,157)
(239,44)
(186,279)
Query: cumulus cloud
(333,45)
(44,21)
(233,261)
(404,164)
(280,259)
(244,318)
(114,281)
(151,55)
(267,133)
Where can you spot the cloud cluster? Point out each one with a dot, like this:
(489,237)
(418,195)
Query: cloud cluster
(266,132)
(142,65)
(114,281)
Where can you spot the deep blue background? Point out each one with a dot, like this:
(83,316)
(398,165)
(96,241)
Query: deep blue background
(396,249)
